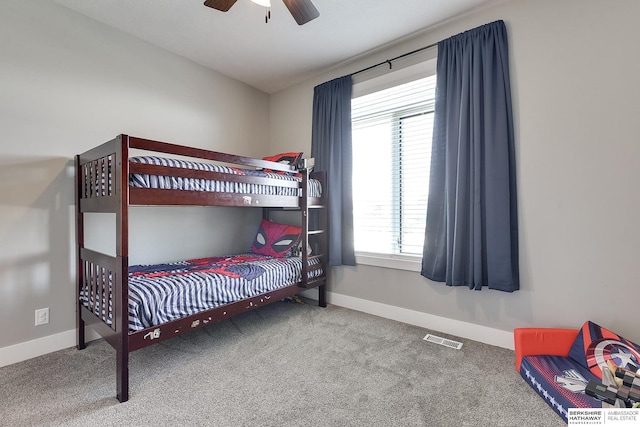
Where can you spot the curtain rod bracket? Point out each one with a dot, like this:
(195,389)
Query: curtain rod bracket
(388,61)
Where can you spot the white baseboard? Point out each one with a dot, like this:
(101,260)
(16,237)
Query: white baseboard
(41,346)
(458,328)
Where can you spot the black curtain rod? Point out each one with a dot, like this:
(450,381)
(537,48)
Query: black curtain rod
(389,61)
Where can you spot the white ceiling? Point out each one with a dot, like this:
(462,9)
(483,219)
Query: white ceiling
(272,56)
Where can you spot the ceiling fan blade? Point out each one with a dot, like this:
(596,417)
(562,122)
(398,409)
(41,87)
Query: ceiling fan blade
(303,11)
(221,5)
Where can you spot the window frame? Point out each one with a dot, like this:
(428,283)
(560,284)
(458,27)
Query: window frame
(408,262)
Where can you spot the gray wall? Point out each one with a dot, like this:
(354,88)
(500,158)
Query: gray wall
(68,83)
(575,69)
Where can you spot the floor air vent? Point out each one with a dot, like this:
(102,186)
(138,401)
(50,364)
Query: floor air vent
(443,341)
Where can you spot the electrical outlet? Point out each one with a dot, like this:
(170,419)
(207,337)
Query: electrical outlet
(42,316)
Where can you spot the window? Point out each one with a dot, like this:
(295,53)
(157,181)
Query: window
(392,130)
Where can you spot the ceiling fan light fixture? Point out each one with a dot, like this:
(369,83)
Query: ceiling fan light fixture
(302,11)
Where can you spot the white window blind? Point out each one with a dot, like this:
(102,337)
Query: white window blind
(392,131)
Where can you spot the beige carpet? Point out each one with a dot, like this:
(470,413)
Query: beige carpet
(287,364)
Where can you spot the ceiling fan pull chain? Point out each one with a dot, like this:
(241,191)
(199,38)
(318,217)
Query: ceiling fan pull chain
(267,14)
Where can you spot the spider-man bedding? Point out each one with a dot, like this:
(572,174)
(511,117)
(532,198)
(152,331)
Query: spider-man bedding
(164,292)
(178,183)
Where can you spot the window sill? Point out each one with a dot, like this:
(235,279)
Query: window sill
(398,262)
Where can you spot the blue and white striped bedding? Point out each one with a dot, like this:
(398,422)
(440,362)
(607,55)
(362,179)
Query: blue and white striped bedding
(193,184)
(164,292)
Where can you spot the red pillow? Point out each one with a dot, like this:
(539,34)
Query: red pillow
(291,158)
(275,239)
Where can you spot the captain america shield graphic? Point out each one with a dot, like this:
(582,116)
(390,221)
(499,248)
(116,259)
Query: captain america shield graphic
(620,353)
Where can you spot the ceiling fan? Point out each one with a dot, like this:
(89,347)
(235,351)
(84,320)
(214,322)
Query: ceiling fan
(302,11)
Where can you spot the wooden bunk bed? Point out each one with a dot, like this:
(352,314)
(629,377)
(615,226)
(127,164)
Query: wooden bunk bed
(105,183)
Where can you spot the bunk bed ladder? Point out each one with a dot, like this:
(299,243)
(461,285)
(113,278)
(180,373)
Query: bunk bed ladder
(313,222)
(314,236)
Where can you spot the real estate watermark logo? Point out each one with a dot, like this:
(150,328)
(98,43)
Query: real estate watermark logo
(603,416)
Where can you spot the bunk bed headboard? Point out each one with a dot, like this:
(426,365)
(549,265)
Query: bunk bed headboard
(102,176)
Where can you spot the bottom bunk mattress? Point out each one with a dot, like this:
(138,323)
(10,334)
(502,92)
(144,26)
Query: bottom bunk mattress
(164,292)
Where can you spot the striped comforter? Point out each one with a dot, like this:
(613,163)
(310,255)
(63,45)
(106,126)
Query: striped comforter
(178,183)
(164,292)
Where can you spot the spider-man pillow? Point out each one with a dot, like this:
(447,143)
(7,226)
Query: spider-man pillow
(275,239)
(595,345)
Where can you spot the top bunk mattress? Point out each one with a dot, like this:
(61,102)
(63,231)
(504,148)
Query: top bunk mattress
(195,184)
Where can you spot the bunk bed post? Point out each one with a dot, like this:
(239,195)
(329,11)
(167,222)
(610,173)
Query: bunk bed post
(80,337)
(323,224)
(122,328)
(121,315)
(322,295)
